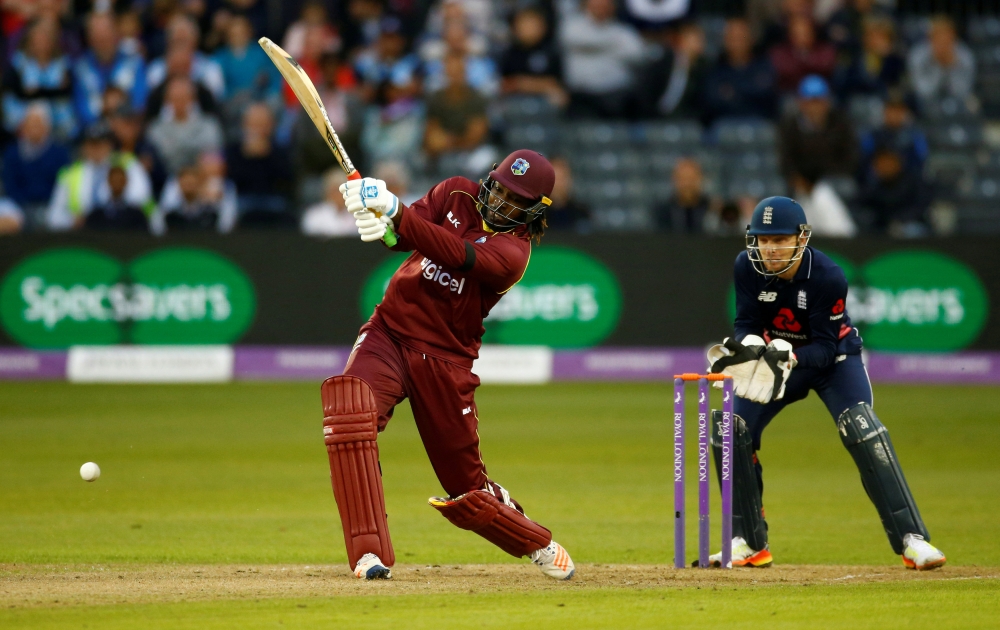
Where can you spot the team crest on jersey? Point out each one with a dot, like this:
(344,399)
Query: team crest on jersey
(481,239)
(802,300)
(520,166)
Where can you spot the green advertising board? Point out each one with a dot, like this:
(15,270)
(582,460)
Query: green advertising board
(566,299)
(912,301)
(74,296)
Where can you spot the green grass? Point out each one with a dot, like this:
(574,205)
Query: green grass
(237,474)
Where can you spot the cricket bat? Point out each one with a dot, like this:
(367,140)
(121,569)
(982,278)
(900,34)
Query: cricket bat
(309,98)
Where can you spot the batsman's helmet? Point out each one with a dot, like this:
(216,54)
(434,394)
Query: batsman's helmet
(526,173)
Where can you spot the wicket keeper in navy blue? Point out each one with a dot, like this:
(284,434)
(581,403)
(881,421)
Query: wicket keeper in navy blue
(793,335)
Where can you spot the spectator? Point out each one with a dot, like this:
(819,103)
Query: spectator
(818,140)
(247,71)
(117,213)
(897,198)
(480,71)
(846,27)
(769,19)
(361,23)
(56,12)
(730,218)
(485,30)
(182,132)
(179,62)
(83,185)
(397,179)
(31,165)
(394,125)
(674,82)
(686,210)
(566,212)
(130,138)
(656,14)
(183,38)
(825,211)
(803,54)
(260,170)
(457,123)
(898,132)
(388,61)
(190,204)
(599,56)
(39,72)
(313,15)
(877,68)
(740,85)
(330,217)
(105,64)
(532,64)
(346,111)
(942,66)
(11,217)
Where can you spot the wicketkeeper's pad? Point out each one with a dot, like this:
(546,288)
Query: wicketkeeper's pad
(350,430)
(504,526)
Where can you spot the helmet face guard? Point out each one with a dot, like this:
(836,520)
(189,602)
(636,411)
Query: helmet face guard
(796,253)
(491,205)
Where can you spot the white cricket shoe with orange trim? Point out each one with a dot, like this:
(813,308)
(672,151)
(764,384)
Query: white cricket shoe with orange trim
(554,561)
(370,567)
(744,556)
(920,554)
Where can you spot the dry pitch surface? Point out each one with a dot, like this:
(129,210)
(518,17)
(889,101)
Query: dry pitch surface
(33,586)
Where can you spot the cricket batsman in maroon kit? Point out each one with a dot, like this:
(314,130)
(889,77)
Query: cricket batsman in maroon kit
(470,244)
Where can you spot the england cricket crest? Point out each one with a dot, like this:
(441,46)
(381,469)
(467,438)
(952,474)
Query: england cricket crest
(520,166)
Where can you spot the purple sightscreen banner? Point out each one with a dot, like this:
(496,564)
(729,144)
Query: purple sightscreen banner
(599,364)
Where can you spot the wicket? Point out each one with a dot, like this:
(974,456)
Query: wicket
(704,476)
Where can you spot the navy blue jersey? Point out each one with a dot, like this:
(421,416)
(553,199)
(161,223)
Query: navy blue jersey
(809,311)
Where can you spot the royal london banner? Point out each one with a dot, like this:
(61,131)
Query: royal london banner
(603,290)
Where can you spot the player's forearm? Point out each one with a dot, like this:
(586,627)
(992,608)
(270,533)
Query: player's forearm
(816,355)
(433,241)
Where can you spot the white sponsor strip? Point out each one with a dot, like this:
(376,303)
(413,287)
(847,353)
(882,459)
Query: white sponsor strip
(514,364)
(150,364)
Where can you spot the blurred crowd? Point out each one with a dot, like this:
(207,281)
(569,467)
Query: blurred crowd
(165,115)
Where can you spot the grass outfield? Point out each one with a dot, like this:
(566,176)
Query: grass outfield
(236,476)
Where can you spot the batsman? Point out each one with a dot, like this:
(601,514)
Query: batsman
(793,334)
(470,244)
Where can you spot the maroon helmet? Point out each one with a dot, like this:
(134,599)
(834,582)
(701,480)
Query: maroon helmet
(526,173)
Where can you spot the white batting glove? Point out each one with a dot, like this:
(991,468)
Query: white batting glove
(368,193)
(371,227)
(738,360)
(772,372)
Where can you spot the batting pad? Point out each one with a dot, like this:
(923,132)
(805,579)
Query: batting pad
(481,512)
(350,430)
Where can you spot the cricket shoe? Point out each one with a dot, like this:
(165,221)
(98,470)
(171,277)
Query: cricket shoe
(744,556)
(554,561)
(371,568)
(920,554)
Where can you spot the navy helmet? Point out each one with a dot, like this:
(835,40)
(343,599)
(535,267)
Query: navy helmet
(777,216)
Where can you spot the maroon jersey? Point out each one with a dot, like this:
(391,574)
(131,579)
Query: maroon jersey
(436,302)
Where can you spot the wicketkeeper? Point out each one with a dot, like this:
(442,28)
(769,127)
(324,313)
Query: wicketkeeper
(471,243)
(792,335)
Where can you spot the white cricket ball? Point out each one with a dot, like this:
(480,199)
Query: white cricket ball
(90,471)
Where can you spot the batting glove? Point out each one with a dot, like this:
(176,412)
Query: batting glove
(369,194)
(372,227)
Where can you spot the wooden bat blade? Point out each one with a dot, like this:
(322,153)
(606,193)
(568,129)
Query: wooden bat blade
(309,98)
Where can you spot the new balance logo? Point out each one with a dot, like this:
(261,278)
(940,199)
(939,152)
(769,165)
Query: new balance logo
(767,296)
(453,220)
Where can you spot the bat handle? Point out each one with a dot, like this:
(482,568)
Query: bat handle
(354,175)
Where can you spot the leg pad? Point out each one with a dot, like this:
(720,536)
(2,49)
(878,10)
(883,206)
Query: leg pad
(504,526)
(350,430)
(748,518)
(867,440)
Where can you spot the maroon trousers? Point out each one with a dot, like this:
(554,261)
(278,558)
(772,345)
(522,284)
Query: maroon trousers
(442,397)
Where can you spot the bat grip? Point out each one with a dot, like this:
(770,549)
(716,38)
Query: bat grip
(354,175)
(390,238)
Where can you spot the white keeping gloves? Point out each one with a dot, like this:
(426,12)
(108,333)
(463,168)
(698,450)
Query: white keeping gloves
(372,204)
(759,372)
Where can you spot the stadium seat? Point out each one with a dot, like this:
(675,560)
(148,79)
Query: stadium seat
(538,137)
(680,135)
(528,109)
(951,109)
(983,30)
(955,135)
(741,135)
(597,135)
(980,189)
(979,218)
(946,169)
(865,112)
